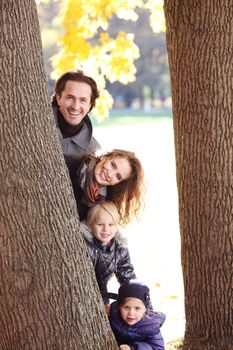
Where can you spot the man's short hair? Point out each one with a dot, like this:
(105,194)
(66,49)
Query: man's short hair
(78,76)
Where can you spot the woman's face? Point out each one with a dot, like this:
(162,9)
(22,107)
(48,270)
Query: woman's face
(111,171)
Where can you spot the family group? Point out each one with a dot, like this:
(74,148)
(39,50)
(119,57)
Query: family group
(109,192)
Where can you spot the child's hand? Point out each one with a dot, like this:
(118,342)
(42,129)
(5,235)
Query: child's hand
(107,308)
(124,347)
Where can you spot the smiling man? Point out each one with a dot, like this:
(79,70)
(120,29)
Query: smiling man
(75,96)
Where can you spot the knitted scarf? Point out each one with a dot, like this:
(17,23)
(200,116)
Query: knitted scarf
(93,192)
(68,130)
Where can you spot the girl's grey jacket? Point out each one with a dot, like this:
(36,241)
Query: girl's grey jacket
(109,259)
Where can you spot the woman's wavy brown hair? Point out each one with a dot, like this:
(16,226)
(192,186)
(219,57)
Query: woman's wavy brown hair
(129,194)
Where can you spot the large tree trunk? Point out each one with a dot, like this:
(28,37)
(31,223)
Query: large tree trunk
(49,298)
(200,50)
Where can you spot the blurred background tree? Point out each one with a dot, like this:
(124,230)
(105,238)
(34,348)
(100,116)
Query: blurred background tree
(106,38)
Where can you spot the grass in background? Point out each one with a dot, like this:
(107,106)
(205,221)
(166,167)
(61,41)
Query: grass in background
(129,116)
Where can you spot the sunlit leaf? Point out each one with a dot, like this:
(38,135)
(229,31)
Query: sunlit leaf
(157,19)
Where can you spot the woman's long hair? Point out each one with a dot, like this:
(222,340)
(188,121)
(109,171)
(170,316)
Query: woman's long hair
(129,194)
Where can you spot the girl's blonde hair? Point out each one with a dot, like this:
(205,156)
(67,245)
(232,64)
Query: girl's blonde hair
(110,208)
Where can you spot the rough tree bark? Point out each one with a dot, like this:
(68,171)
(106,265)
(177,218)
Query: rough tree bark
(200,50)
(49,298)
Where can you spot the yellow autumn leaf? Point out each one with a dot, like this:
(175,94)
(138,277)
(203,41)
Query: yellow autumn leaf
(103,106)
(157,19)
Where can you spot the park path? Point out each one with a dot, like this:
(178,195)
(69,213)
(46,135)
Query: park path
(154,242)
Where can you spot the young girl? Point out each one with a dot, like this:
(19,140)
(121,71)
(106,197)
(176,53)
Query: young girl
(116,176)
(134,325)
(107,248)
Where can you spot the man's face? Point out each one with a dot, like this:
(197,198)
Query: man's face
(75,101)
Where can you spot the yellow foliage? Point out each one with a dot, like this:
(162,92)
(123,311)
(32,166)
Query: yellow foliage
(105,57)
(157,19)
(103,105)
(62,62)
(75,44)
(117,57)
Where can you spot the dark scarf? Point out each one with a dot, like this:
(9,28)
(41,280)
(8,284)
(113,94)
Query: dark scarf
(68,130)
(93,192)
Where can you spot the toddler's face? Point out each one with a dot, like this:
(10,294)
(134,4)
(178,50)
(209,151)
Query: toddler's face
(103,227)
(132,310)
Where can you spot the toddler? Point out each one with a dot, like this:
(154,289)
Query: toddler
(134,324)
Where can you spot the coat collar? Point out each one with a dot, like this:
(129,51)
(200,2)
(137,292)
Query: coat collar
(83,138)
